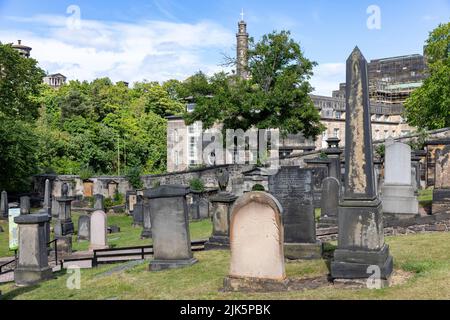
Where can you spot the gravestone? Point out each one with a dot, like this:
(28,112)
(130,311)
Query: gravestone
(146,221)
(170,227)
(194,207)
(32,265)
(4,205)
(203,206)
(47,208)
(330,202)
(98,231)
(131,198)
(397,192)
(84,227)
(361,243)
(333,153)
(99,202)
(256,243)
(25,205)
(138,212)
(293,188)
(441,192)
(222,204)
(64,227)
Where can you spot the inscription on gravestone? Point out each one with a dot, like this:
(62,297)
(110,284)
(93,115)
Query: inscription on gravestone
(292,187)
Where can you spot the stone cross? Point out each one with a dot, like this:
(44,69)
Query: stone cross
(361,235)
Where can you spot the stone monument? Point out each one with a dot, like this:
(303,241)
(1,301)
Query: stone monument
(138,212)
(98,230)
(441,192)
(361,238)
(64,228)
(170,227)
(331,190)
(222,204)
(293,188)
(25,205)
(32,265)
(84,228)
(98,202)
(146,221)
(4,205)
(257,257)
(397,193)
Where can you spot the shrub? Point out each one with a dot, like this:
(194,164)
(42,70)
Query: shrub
(197,184)
(258,187)
(86,172)
(134,177)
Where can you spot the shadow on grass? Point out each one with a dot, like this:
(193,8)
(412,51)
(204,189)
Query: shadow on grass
(18,291)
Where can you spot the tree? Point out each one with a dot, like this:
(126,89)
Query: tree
(20,83)
(275,96)
(428,107)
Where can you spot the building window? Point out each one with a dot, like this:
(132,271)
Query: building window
(338,114)
(386,134)
(175,136)
(176,159)
(191,129)
(192,147)
(378,117)
(336,132)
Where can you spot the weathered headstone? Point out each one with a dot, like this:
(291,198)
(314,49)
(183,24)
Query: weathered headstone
(98,202)
(397,192)
(333,153)
(441,192)
(64,227)
(32,266)
(257,257)
(293,188)
(47,207)
(98,230)
(203,206)
(194,207)
(146,221)
(170,227)
(138,212)
(131,199)
(330,201)
(361,245)
(4,205)
(84,227)
(222,204)
(25,206)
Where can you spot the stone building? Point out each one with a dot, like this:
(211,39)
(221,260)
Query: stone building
(23,50)
(397,76)
(55,80)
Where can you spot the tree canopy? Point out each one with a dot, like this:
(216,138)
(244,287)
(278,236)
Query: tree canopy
(429,106)
(275,95)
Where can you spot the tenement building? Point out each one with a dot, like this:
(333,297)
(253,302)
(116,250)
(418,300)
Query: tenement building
(391,81)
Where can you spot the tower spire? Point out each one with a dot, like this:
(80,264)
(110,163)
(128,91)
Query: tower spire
(242,49)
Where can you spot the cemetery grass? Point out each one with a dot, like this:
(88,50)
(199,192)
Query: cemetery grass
(426,257)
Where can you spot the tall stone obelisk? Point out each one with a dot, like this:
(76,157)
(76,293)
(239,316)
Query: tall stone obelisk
(361,248)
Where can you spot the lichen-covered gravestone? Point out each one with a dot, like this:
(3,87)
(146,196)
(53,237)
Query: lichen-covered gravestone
(329,202)
(170,227)
(441,192)
(25,205)
(256,243)
(397,192)
(293,188)
(84,227)
(98,230)
(361,247)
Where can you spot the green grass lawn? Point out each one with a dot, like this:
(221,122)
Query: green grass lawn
(128,236)
(427,256)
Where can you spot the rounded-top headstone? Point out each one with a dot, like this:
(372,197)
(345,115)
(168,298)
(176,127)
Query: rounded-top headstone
(397,164)
(256,237)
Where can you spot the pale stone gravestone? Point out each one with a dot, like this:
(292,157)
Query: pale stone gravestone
(98,230)
(256,243)
(222,204)
(25,206)
(146,221)
(293,188)
(330,201)
(32,266)
(203,206)
(397,192)
(361,243)
(4,205)
(99,202)
(441,192)
(170,227)
(84,227)
(64,227)
(131,199)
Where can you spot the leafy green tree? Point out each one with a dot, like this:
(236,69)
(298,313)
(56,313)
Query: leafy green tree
(275,96)
(428,107)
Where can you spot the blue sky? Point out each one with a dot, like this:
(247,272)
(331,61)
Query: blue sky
(162,39)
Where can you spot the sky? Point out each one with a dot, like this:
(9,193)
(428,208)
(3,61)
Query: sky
(157,40)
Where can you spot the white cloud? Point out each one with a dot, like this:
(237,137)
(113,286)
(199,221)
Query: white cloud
(327,77)
(152,50)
